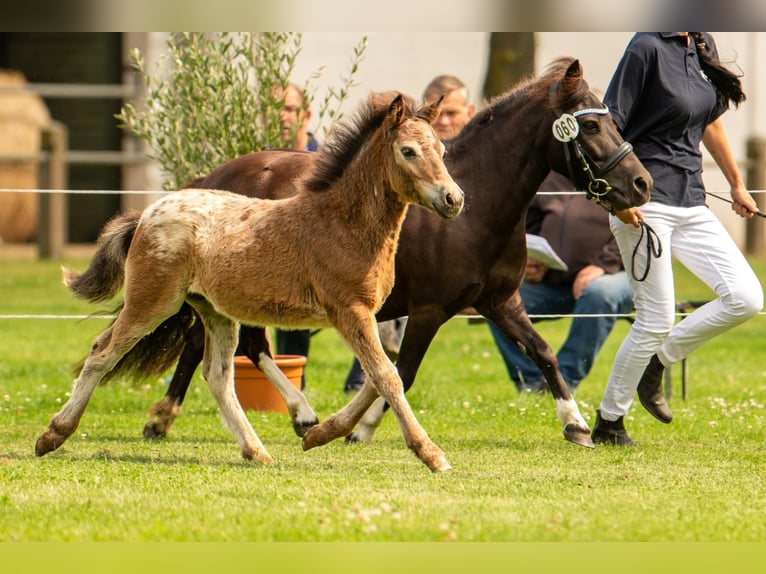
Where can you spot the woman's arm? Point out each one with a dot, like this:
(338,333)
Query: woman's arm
(717,144)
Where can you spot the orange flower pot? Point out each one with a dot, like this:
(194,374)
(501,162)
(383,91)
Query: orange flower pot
(254,390)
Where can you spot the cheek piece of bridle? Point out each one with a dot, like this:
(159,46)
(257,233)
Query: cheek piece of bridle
(566,129)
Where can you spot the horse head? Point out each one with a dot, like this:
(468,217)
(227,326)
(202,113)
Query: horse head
(418,171)
(587,147)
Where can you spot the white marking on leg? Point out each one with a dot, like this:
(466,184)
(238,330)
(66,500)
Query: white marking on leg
(568,413)
(370,421)
(300,411)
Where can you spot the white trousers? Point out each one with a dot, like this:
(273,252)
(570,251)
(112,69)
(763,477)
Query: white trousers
(698,240)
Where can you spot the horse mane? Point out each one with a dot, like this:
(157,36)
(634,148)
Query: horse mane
(566,96)
(531,89)
(347,137)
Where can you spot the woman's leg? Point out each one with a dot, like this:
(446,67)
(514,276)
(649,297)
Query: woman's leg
(703,246)
(654,301)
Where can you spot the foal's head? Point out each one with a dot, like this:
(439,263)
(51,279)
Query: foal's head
(416,166)
(586,145)
(401,147)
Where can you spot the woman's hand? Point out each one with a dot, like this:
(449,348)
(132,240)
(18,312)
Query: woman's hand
(631,216)
(742,203)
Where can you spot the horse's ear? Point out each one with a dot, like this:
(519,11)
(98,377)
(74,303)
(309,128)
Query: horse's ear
(395,113)
(574,71)
(429,112)
(571,82)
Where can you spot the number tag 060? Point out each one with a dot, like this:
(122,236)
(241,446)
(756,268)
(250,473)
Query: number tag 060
(566,128)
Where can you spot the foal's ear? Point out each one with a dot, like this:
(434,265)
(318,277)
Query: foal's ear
(395,113)
(429,112)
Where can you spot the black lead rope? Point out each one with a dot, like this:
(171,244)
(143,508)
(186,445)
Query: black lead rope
(758,213)
(653,249)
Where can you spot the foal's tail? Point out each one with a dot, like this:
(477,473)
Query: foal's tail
(106,273)
(160,349)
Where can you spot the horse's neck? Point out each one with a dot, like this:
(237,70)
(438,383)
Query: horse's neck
(364,196)
(501,183)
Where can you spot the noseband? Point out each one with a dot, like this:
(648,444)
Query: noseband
(566,129)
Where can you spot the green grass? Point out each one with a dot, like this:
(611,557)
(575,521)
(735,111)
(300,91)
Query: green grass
(514,479)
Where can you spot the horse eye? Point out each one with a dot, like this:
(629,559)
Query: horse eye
(409,153)
(591,126)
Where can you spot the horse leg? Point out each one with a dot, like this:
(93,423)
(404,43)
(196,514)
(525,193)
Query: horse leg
(109,347)
(512,319)
(359,330)
(163,413)
(218,371)
(418,334)
(254,345)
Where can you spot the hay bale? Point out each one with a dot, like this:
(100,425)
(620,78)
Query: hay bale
(23,115)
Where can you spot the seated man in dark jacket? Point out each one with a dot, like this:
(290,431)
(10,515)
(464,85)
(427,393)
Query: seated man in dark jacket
(595,284)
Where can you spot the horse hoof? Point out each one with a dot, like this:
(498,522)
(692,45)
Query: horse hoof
(307,443)
(261,456)
(154,431)
(442,466)
(45,444)
(578,436)
(302,428)
(352,439)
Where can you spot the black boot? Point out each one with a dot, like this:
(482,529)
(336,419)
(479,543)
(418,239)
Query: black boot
(610,432)
(650,391)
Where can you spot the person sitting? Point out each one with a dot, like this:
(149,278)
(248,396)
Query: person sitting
(594,288)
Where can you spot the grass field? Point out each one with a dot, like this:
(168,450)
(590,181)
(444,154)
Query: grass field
(514,479)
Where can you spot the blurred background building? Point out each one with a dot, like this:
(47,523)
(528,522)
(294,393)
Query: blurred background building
(82,80)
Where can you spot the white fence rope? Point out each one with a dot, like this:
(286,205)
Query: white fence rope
(162,191)
(150,192)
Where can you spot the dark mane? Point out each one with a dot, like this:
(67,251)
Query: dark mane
(567,98)
(529,89)
(347,138)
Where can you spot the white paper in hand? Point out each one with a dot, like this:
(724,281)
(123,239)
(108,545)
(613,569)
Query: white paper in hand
(539,248)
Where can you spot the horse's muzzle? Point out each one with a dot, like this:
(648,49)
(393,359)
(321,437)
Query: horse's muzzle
(450,202)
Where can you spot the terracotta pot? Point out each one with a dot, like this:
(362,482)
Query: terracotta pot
(256,392)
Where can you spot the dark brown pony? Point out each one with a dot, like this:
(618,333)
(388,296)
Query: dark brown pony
(499,159)
(323,257)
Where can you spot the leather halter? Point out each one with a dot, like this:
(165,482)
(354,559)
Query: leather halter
(566,129)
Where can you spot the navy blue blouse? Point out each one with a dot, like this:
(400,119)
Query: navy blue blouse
(662,102)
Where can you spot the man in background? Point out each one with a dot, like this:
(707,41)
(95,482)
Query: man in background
(295,117)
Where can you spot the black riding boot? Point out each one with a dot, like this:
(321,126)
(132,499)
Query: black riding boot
(650,391)
(610,432)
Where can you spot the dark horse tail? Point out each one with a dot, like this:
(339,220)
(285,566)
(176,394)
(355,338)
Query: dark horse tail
(159,350)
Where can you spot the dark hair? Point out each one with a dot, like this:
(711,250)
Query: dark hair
(726,82)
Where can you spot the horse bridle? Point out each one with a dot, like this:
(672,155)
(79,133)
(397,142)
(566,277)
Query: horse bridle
(566,129)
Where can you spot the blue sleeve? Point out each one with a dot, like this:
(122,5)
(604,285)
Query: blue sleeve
(626,87)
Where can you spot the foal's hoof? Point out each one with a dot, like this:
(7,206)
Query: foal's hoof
(352,439)
(578,435)
(301,428)
(46,443)
(441,466)
(155,431)
(309,441)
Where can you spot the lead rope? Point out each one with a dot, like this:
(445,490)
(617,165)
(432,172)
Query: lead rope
(653,249)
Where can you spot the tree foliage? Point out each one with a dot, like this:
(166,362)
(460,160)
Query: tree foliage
(213,97)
